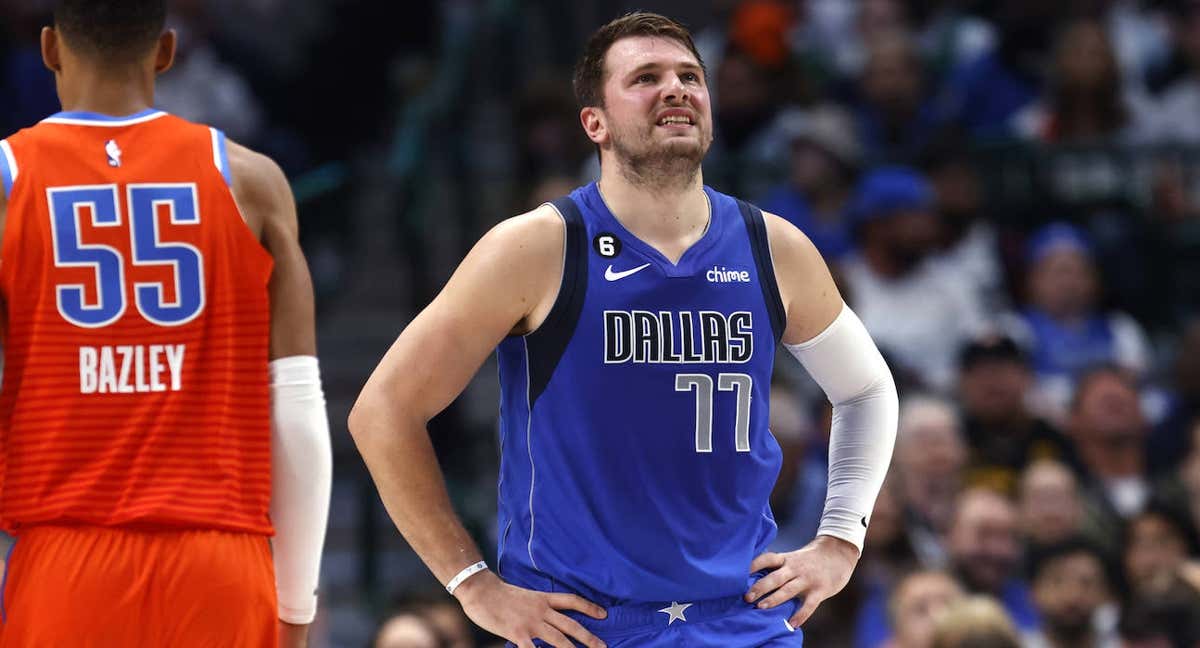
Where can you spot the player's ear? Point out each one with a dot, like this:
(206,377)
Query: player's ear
(51,57)
(164,56)
(594,124)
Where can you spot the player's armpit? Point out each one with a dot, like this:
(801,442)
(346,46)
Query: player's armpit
(265,200)
(810,297)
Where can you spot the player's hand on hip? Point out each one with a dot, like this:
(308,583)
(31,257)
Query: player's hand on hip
(520,615)
(814,573)
(293,636)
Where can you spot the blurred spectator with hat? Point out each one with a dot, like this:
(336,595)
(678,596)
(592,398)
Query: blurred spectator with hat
(1063,324)
(895,116)
(1003,433)
(824,160)
(918,311)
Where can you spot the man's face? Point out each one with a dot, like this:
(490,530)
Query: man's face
(994,390)
(1064,284)
(983,541)
(1068,591)
(1050,506)
(1154,554)
(921,599)
(1109,415)
(656,108)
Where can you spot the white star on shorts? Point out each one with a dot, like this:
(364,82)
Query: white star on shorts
(675,611)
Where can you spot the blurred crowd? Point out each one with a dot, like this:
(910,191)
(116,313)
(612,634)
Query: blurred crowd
(1007,191)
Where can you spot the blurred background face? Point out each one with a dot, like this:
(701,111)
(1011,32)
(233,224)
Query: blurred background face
(931,456)
(1068,591)
(1155,553)
(1085,60)
(1109,415)
(956,185)
(918,602)
(1064,284)
(407,631)
(983,541)
(887,518)
(993,391)
(812,168)
(892,78)
(635,101)
(1051,509)
(908,236)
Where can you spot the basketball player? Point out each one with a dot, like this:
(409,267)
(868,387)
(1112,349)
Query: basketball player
(161,407)
(637,321)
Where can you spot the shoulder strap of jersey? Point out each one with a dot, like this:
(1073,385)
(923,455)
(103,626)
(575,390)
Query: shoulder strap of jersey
(8,167)
(220,155)
(756,227)
(547,344)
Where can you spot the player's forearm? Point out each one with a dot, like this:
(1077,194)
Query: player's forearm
(400,457)
(844,361)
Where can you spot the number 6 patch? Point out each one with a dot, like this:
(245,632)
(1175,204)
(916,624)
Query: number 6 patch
(607,245)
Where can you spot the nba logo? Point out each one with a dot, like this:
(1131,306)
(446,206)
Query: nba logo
(114,153)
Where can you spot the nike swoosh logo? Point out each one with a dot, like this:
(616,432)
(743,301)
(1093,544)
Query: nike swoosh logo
(613,276)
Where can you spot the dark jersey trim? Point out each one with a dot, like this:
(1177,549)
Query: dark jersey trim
(547,344)
(756,227)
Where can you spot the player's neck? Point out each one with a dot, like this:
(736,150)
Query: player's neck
(670,218)
(115,93)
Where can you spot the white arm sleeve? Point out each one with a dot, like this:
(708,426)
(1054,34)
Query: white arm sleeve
(844,361)
(301,476)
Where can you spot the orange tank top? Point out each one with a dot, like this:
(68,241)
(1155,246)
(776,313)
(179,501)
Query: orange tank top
(136,330)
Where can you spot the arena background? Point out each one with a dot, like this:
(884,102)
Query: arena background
(1007,190)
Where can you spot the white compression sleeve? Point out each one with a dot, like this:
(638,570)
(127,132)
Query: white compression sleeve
(301,476)
(844,361)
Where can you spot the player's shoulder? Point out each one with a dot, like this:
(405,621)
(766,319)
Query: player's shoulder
(537,232)
(788,243)
(258,183)
(252,171)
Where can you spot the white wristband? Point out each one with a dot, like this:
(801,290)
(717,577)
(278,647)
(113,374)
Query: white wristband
(464,575)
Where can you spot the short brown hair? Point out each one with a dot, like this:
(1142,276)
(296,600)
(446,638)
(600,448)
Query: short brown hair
(589,71)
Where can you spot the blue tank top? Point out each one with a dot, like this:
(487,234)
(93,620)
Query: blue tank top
(636,460)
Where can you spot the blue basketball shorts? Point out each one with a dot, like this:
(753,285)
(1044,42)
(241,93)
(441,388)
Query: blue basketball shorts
(718,623)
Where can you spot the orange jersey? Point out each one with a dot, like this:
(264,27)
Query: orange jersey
(136,330)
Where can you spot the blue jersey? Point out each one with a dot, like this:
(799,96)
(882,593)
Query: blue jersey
(637,464)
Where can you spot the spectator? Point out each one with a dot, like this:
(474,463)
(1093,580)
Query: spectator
(919,312)
(895,117)
(1172,438)
(1003,434)
(1167,619)
(1158,543)
(407,630)
(1188,477)
(1072,591)
(985,552)
(930,457)
(201,87)
(975,622)
(799,496)
(969,242)
(888,556)
(1063,324)
(1050,504)
(983,95)
(1086,100)
(917,604)
(1109,431)
(822,167)
(1180,98)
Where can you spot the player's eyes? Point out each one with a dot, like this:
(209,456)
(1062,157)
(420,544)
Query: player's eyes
(646,78)
(691,77)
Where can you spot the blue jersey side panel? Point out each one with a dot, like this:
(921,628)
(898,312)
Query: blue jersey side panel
(638,466)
